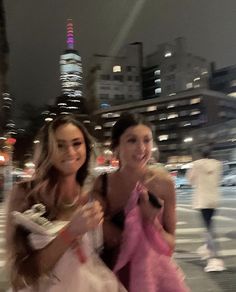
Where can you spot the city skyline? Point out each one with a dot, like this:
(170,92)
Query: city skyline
(38,39)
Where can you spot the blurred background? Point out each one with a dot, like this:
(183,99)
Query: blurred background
(172,61)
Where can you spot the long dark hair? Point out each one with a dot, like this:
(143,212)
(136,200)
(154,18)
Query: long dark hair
(125,121)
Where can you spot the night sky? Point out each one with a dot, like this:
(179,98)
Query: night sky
(37,34)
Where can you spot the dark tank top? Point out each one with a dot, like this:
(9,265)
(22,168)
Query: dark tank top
(110,254)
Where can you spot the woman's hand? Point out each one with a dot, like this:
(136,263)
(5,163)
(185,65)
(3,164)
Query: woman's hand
(149,213)
(158,181)
(86,218)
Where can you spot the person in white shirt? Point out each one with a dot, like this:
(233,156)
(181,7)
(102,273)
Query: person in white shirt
(205,176)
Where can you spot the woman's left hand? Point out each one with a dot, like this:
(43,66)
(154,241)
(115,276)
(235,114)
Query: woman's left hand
(158,181)
(149,213)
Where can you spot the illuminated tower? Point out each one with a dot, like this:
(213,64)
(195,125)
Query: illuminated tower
(71,76)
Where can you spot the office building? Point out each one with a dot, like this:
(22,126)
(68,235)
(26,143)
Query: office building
(172,69)
(71,99)
(174,118)
(114,80)
(224,80)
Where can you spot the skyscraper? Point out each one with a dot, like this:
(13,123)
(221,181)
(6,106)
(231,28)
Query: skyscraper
(71,71)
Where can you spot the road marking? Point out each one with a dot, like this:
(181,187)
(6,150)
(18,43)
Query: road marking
(227,252)
(199,240)
(183,231)
(186,210)
(223,218)
(227,208)
(181,223)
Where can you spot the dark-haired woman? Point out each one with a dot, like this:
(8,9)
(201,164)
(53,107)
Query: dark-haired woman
(139,208)
(64,261)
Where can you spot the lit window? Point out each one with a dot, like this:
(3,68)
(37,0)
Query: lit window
(157,90)
(172,116)
(196,79)
(195,100)
(163,137)
(157,72)
(48,119)
(171,94)
(204,72)
(233,94)
(151,108)
(189,85)
(97,127)
(157,80)
(188,139)
(187,124)
(168,54)
(116,68)
(195,112)
(171,105)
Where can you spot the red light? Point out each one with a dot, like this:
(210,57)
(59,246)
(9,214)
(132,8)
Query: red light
(11,141)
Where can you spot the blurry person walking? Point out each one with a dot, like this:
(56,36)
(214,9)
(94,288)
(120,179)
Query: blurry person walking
(205,176)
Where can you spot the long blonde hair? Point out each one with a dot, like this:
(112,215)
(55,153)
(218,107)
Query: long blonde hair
(42,188)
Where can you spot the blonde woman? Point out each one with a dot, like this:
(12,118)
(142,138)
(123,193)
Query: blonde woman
(64,261)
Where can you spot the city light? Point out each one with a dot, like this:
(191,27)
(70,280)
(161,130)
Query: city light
(188,139)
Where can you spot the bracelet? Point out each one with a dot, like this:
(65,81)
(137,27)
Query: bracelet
(66,236)
(68,239)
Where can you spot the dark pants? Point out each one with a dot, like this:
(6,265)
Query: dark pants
(207,215)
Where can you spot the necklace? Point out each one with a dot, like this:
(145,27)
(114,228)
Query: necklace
(72,204)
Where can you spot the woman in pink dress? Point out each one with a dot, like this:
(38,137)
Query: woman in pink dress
(61,261)
(139,206)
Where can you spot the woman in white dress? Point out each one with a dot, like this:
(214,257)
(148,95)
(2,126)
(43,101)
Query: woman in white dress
(63,260)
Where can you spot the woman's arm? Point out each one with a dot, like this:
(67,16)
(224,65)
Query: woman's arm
(160,184)
(30,263)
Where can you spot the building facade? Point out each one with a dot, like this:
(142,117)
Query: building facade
(114,80)
(173,118)
(224,80)
(71,71)
(171,69)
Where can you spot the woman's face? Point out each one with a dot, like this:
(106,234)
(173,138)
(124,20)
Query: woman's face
(71,149)
(135,146)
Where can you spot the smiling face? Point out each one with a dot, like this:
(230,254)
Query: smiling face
(70,152)
(135,146)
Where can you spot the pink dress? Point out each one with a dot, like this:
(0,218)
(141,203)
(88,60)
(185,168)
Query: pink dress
(143,249)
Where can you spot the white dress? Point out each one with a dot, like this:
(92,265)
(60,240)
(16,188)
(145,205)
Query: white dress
(70,274)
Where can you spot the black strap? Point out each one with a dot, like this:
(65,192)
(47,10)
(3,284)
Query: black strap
(104,185)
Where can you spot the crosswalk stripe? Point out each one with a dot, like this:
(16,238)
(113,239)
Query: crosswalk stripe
(224,218)
(184,231)
(199,240)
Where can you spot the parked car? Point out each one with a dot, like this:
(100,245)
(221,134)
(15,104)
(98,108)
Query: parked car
(229,179)
(182,182)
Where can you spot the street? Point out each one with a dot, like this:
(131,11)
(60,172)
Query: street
(188,239)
